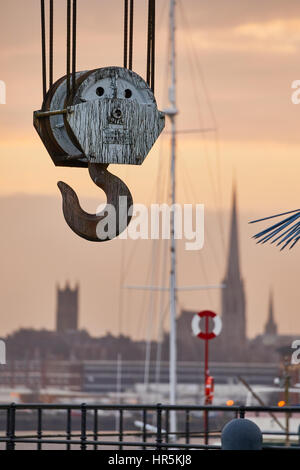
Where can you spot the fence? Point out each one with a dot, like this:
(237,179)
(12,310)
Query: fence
(88,426)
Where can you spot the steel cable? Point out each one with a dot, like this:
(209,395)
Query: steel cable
(125,34)
(74,45)
(43,33)
(130,34)
(68,46)
(50,43)
(153,46)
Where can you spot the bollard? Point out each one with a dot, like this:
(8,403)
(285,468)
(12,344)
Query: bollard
(241,434)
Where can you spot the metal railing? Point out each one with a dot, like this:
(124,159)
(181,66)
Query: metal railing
(89,426)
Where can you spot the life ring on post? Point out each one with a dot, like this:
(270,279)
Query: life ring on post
(203,334)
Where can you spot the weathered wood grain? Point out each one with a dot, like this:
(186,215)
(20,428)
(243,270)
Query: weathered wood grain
(106,138)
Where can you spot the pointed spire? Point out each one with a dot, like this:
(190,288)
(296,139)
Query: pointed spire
(233,265)
(271,327)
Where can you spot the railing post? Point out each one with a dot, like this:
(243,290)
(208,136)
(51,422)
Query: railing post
(158,426)
(95,428)
(242,412)
(167,425)
(206,426)
(69,428)
(8,412)
(83,427)
(39,428)
(120,428)
(10,426)
(187,426)
(144,428)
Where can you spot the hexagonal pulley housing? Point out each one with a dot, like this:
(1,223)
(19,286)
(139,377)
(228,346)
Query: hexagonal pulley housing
(111,118)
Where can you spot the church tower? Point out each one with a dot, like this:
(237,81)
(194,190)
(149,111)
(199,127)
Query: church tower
(67,309)
(271,327)
(233,336)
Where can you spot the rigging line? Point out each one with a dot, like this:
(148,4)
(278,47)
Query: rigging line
(202,265)
(191,192)
(156,251)
(122,311)
(155,256)
(150,269)
(50,43)
(207,96)
(197,99)
(142,316)
(74,46)
(214,252)
(125,53)
(121,293)
(68,46)
(130,34)
(161,173)
(194,345)
(210,107)
(161,312)
(43,36)
(162,195)
(193,61)
(150,315)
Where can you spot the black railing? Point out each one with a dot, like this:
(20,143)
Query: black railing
(89,426)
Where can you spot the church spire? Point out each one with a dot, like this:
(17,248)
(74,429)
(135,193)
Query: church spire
(233,266)
(233,337)
(271,327)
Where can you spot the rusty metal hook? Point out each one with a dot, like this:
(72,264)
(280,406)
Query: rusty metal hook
(86,225)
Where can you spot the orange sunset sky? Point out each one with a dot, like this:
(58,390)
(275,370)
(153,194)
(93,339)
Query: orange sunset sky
(249,54)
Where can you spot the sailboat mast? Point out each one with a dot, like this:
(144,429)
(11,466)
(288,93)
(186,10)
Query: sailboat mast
(172,111)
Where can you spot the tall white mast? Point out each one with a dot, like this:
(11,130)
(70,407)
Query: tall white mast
(171,112)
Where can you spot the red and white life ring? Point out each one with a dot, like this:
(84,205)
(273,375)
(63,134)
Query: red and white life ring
(196,325)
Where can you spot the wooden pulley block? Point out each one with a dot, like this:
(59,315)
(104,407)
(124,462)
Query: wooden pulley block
(104,116)
(112,117)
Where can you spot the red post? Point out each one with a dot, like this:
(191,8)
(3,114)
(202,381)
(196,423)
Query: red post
(206,374)
(206,335)
(206,370)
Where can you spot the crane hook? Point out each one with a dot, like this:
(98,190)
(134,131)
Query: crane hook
(87,225)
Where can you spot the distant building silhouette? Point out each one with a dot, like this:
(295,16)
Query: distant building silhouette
(231,345)
(271,326)
(67,309)
(232,340)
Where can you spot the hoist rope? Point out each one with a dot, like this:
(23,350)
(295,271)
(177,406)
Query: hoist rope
(68,46)
(125,34)
(74,46)
(50,43)
(72,43)
(130,34)
(150,74)
(153,46)
(43,33)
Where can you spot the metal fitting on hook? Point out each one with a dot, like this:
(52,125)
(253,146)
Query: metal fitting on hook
(87,225)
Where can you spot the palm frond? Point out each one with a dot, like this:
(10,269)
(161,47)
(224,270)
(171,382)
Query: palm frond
(285,232)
